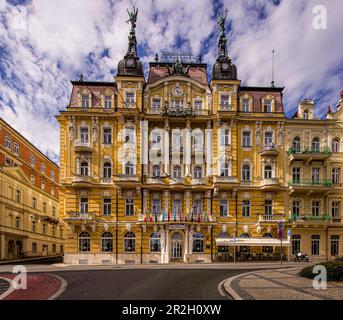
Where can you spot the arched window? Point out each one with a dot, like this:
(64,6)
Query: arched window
(305,114)
(84,168)
(224,169)
(155,243)
(129,242)
(84,242)
(335,145)
(245,235)
(177,172)
(107,242)
(246,172)
(315,146)
(156,171)
(107,170)
(296,239)
(197,172)
(268,172)
(198,242)
(129,168)
(296,144)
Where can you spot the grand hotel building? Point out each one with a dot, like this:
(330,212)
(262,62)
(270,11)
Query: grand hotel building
(178,168)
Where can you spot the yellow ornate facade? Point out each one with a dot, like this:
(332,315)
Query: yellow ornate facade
(174,168)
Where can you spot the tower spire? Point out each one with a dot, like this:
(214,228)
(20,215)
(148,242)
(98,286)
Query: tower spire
(273,69)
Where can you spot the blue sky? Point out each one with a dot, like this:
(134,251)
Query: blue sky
(46,43)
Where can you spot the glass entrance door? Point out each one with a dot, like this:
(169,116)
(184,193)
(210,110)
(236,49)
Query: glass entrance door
(176,246)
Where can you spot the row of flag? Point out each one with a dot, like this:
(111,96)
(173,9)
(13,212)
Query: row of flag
(200,217)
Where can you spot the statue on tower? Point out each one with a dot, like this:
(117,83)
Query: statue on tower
(132,17)
(221,22)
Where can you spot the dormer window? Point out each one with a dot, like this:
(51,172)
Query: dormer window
(306,114)
(130,97)
(225,101)
(198,105)
(156,104)
(267,105)
(245,105)
(107,101)
(85,101)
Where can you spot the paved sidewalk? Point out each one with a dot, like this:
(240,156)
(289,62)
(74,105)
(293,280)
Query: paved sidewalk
(282,284)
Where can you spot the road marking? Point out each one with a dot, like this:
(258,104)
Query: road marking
(9,291)
(220,288)
(62,288)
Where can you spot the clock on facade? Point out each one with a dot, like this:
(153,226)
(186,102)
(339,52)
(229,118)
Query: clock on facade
(225,66)
(177,91)
(130,62)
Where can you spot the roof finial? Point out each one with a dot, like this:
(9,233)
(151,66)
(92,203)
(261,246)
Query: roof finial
(81,77)
(199,57)
(273,67)
(156,57)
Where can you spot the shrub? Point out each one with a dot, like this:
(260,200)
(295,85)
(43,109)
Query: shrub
(334,270)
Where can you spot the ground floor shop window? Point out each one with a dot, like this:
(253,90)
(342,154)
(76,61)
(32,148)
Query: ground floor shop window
(334,245)
(315,239)
(296,243)
(84,242)
(198,242)
(129,242)
(155,243)
(223,249)
(107,242)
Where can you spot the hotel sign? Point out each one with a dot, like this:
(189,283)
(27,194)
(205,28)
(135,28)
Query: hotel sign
(176,226)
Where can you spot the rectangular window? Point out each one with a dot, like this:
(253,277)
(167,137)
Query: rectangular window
(177,104)
(268,207)
(156,206)
(296,208)
(156,104)
(223,208)
(176,205)
(16,149)
(8,143)
(34,247)
(296,175)
(85,101)
(84,135)
(246,208)
(296,243)
(33,160)
(225,101)
(54,248)
(198,105)
(84,205)
(34,203)
(315,175)
(335,209)
(129,135)
(33,226)
(336,175)
(315,208)
(130,97)
(108,102)
(245,105)
(17,222)
(43,167)
(334,245)
(129,207)
(267,107)
(268,138)
(197,205)
(106,209)
(107,135)
(18,196)
(52,175)
(44,228)
(8,161)
(225,137)
(315,241)
(246,139)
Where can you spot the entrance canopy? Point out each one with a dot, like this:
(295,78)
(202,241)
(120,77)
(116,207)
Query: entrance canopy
(253,242)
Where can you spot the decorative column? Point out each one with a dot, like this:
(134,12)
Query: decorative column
(208,196)
(166,201)
(209,149)
(144,146)
(166,148)
(145,199)
(2,247)
(187,151)
(185,259)
(188,194)
(167,245)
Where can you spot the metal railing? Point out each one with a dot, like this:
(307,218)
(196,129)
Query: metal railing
(309,150)
(310,217)
(270,218)
(310,183)
(75,215)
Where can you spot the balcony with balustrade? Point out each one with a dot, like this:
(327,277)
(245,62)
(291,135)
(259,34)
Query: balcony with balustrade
(81,219)
(223,107)
(271,218)
(309,219)
(82,146)
(270,183)
(175,219)
(126,178)
(309,154)
(310,186)
(225,182)
(269,150)
(82,181)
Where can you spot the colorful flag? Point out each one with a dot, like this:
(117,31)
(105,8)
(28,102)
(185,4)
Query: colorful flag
(199,216)
(180,215)
(168,216)
(163,214)
(192,215)
(174,215)
(155,217)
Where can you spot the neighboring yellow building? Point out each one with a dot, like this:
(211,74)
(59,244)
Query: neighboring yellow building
(29,204)
(174,168)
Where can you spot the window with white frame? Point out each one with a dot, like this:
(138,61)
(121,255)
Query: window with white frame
(107,242)
(225,137)
(336,175)
(296,175)
(106,206)
(156,171)
(246,139)
(107,170)
(197,204)
(43,167)
(315,145)
(156,205)
(155,243)
(197,172)
(84,241)
(177,204)
(156,137)
(315,206)
(246,208)
(107,135)
(267,105)
(334,245)
(224,169)
(315,175)
(335,209)
(84,135)
(16,148)
(84,168)
(306,114)
(198,105)
(268,138)
(268,207)
(130,98)
(156,104)
(296,144)
(245,105)
(177,171)
(129,168)
(197,141)
(85,103)
(129,242)
(335,145)
(268,172)
(177,104)
(7,143)
(129,135)
(223,207)
(225,101)
(107,101)
(296,208)
(84,205)
(129,206)
(33,161)
(176,141)
(246,172)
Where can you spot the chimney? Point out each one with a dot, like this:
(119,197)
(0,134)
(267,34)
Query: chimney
(329,109)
